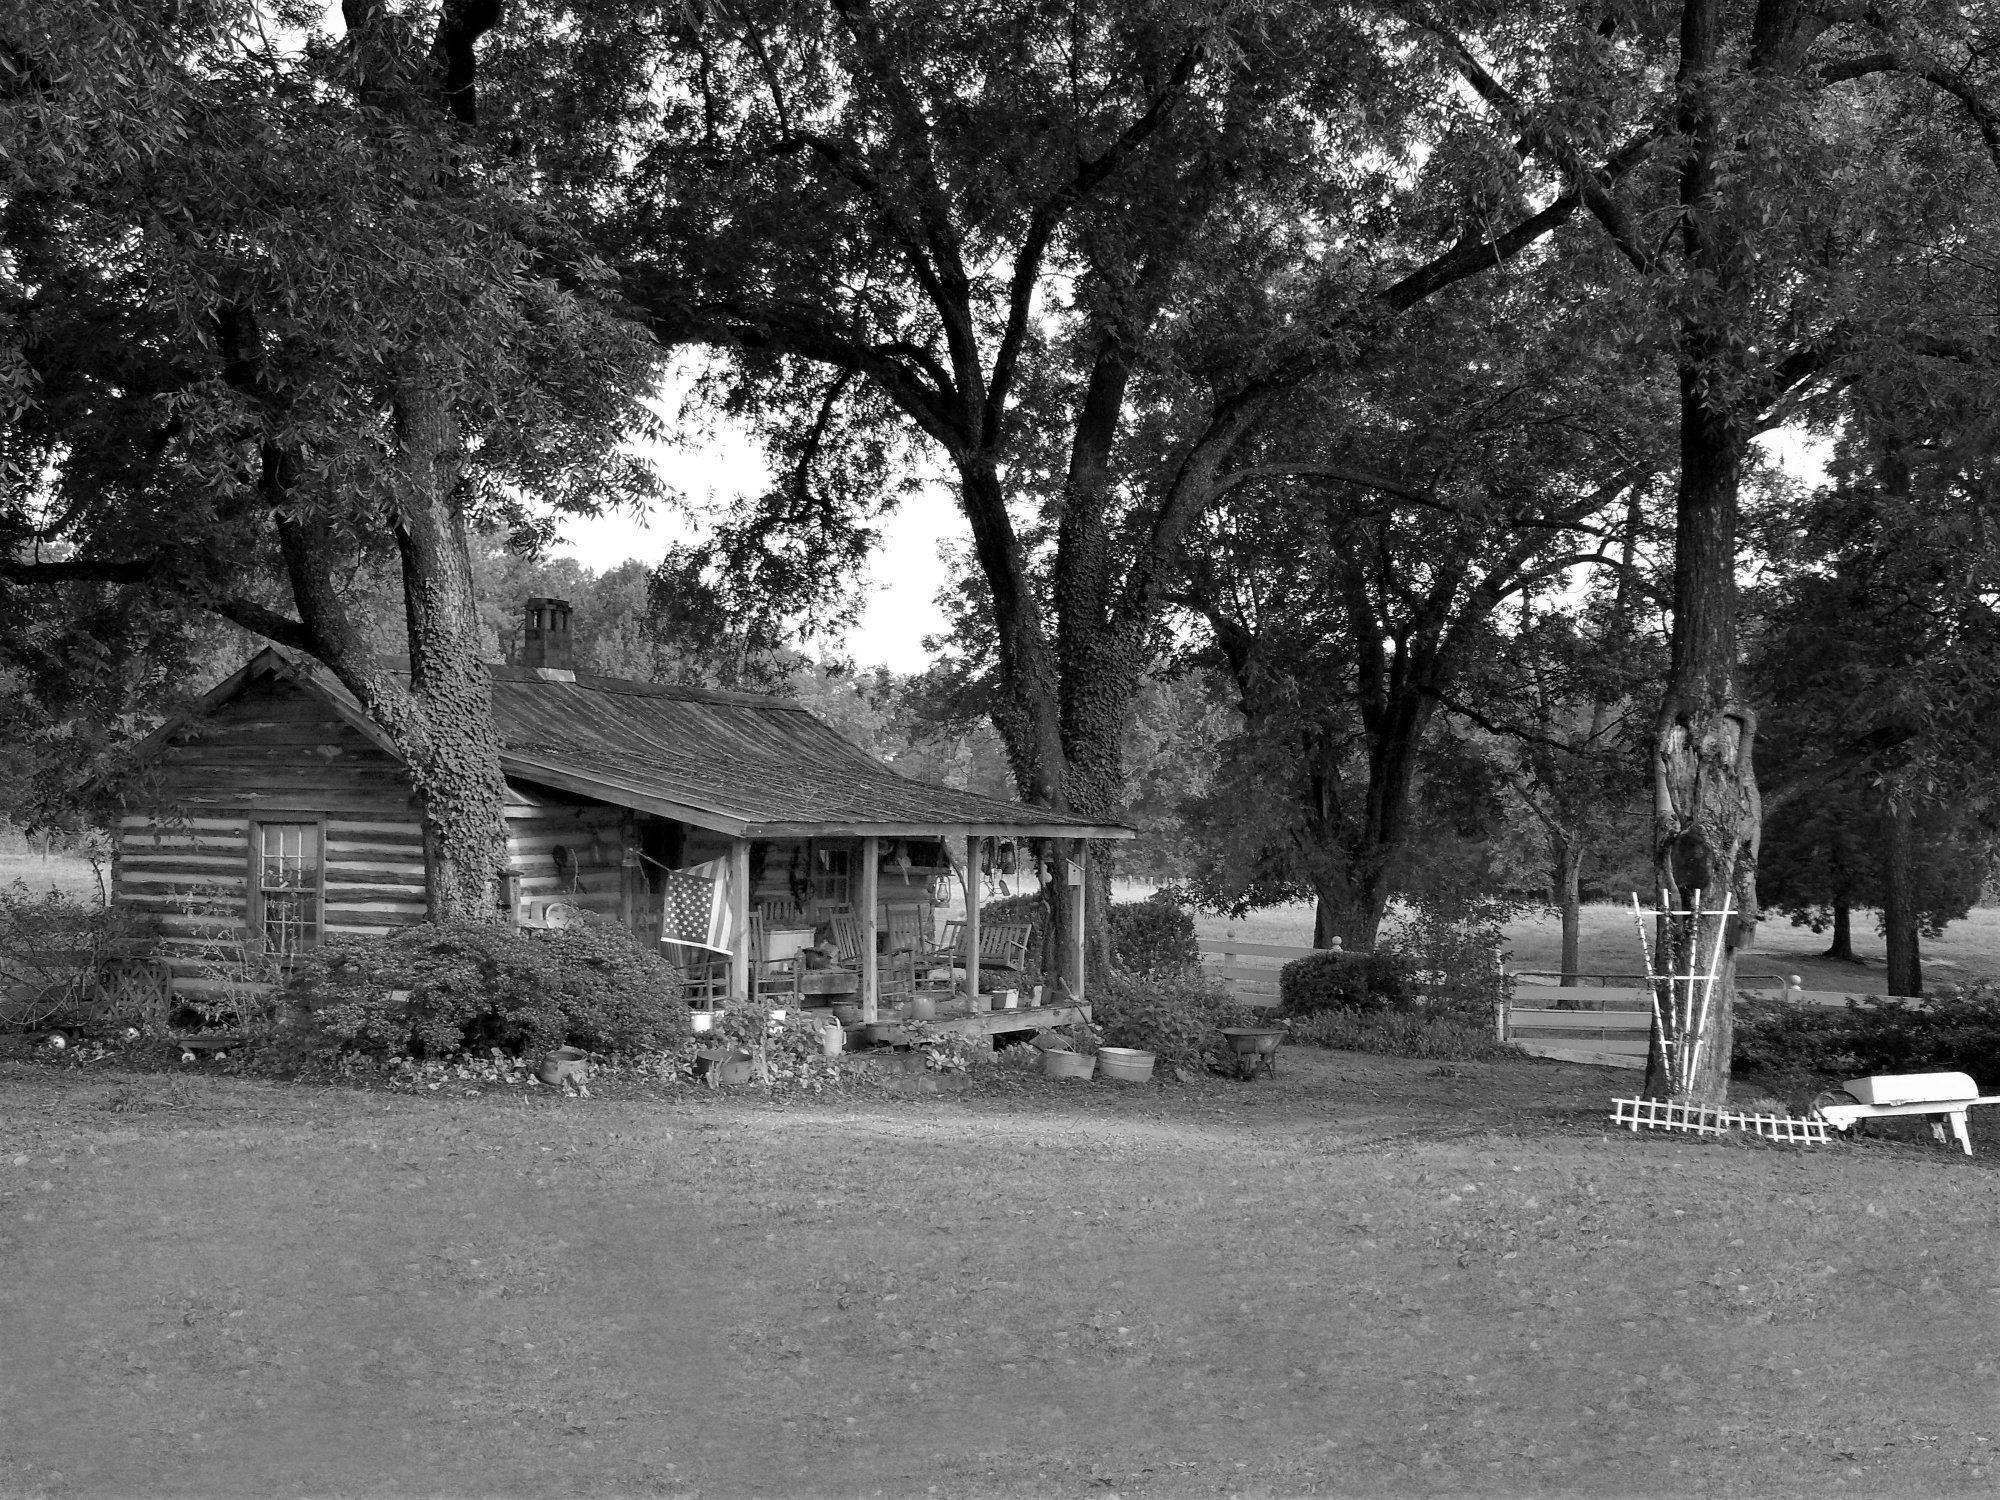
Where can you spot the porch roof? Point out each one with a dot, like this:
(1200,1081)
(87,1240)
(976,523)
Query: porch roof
(739,763)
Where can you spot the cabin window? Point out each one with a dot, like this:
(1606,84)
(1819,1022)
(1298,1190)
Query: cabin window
(831,882)
(290,874)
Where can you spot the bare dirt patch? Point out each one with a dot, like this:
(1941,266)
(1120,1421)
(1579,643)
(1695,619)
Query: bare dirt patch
(1367,1277)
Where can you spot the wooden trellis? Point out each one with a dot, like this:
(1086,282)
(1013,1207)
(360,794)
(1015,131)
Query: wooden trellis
(1688,995)
(1694,1119)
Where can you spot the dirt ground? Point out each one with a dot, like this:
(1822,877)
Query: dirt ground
(1366,1277)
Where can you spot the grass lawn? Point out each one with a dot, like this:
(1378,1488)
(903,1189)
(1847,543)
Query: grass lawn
(1366,1277)
(67,873)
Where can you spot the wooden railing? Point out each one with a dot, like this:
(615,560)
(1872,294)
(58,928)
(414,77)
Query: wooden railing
(1249,969)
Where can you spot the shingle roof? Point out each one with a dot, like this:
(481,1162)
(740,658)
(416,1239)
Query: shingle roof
(739,763)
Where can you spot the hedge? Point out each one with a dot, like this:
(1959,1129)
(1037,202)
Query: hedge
(1338,980)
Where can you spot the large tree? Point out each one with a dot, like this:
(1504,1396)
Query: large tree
(978,224)
(1351,584)
(1810,175)
(276,314)
(1878,650)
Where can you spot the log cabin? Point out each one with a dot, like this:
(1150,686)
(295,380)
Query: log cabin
(277,814)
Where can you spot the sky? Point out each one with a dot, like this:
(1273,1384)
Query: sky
(902,579)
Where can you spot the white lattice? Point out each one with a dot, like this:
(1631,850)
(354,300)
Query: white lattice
(1681,1026)
(1664,1114)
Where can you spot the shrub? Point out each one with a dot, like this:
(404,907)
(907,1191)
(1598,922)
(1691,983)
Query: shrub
(1334,980)
(469,986)
(1178,1016)
(1954,1030)
(1441,1037)
(1450,946)
(1154,936)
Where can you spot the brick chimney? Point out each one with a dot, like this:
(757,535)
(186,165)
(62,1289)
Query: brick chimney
(545,642)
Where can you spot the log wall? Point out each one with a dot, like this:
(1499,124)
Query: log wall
(280,754)
(596,836)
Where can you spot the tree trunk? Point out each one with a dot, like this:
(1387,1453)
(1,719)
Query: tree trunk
(1899,900)
(1705,808)
(1705,812)
(1349,910)
(1842,946)
(1567,854)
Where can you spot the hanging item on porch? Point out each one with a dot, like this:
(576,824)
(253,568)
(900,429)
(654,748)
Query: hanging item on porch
(695,909)
(799,879)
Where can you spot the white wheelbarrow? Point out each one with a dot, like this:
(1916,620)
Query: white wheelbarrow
(1941,1096)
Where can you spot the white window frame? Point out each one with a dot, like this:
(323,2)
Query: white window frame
(260,934)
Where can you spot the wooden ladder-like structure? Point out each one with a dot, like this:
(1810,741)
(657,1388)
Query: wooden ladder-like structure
(1681,1023)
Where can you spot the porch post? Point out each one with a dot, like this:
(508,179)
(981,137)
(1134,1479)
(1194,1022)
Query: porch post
(1082,909)
(972,842)
(871,978)
(629,875)
(739,919)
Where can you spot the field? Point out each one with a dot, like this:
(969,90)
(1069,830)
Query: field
(1367,1277)
(1968,950)
(63,872)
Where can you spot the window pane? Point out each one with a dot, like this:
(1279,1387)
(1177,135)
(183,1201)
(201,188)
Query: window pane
(288,882)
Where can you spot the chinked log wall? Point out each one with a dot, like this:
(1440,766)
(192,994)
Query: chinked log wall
(275,754)
(539,822)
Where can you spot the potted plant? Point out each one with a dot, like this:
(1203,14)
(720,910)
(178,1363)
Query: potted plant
(1069,1051)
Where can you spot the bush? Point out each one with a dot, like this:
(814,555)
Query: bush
(1953,1030)
(468,986)
(1154,936)
(1442,1037)
(1450,947)
(1334,980)
(1178,1016)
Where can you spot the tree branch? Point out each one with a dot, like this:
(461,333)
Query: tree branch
(268,623)
(80,570)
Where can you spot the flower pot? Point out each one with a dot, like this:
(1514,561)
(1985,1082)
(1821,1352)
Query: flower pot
(923,1008)
(846,1014)
(1126,1064)
(563,1063)
(1057,1063)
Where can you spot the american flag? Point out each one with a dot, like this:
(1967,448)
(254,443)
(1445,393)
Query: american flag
(694,907)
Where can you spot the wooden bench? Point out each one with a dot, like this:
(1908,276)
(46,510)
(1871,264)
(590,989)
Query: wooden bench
(1002,945)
